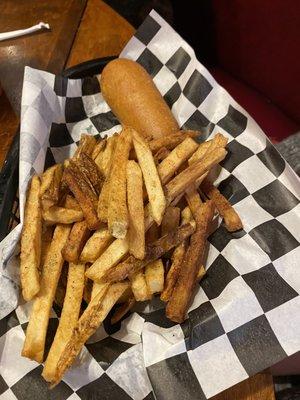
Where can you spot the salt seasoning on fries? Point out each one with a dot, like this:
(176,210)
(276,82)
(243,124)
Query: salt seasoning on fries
(31,242)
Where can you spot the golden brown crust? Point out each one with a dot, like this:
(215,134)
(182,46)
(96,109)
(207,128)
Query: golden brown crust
(135,100)
(76,241)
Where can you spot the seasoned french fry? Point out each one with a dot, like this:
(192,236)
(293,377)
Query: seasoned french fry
(173,273)
(154,274)
(232,220)
(170,220)
(136,210)
(104,160)
(178,304)
(50,186)
(68,319)
(111,256)
(98,149)
(61,287)
(139,287)
(193,199)
(155,192)
(76,241)
(183,180)
(96,244)
(31,242)
(208,147)
(160,155)
(187,217)
(92,317)
(86,145)
(171,141)
(122,310)
(38,322)
(201,273)
(71,203)
(153,252)
(175,159)
(61,215)
(87,291)
(90,171)
(117,214)
(84,194)
(47,234)
(104,200)
(97,288)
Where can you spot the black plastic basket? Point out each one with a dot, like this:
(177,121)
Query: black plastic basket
(9,176)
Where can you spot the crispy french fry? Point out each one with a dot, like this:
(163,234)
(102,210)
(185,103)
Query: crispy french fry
(71,203)
(98,149)
(201,273)
(232,220)
(97,288)
(61,287)
(90,171)
(50,186)
(160,155)
(154,274)
(207,147)
(92,317)
(78,236)
(171,141)
(155,192)
(111,256)
(86,145)
(68,319)
(183,180)
(104,160)
(187,217)
(178,304)
(170,220)
(139,287)
(136,210)
(38,322)
(86,198)
(61,215)
(175,159)
(87,291)
(47,235)
(173,273)
(117,214)
(153,252)
(104,200)
(193,199)
(95,245)
(31,242)
(122,310)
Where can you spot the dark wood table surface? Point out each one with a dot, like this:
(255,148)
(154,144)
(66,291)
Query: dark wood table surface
(80,31)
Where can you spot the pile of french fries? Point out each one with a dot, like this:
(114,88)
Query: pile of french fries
(123,220)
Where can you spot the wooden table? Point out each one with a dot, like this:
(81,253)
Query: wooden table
(102,32)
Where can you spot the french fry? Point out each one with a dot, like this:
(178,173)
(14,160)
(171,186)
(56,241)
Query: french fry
(86,145)
(111,256)
(160,155)
(92,317)
(153,252)
(154,275)
(50,186)
(98,149)
(95,245)
(171,141)
(68,319)
(71,203)
(90,171)
(76,241)
(175,159)
(201,273)
(117,214)
(97,288)
(31,242)
(173,273)
(139,287)
(136,210)
(187,217)
(155,192)
(208,147)
(61,215)
(180,299)
(38,322)
(122,310)
(193,199)
(104,160)
(83,193)
(87,291)
(232,220)
(47,235)
(183,180)
(170,220)
(61,287)
(103,201)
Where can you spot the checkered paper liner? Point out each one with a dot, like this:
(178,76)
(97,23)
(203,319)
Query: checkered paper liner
(246,314)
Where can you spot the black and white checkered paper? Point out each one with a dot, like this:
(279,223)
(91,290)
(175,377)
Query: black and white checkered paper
(246,314)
